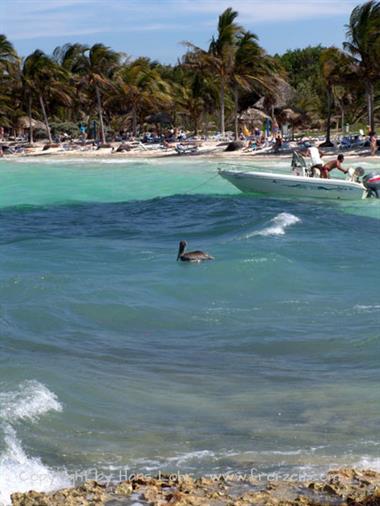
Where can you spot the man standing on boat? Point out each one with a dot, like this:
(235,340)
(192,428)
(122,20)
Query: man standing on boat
(334,164)
(316,159)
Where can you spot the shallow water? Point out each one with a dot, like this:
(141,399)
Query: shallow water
(115,356)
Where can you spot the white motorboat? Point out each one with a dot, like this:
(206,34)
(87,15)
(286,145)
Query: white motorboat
(301,184)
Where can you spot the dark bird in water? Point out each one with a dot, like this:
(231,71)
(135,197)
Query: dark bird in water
(191,256)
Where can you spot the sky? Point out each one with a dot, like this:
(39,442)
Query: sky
(157,28)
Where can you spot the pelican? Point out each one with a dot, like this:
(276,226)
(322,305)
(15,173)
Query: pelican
(191,256)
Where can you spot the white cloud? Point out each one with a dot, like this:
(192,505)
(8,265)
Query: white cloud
(272,10)
(28,19)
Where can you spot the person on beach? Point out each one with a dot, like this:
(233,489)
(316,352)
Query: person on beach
(278,143)
(334,164)
(249,146)
(373,143)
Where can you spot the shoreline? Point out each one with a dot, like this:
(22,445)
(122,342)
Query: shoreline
(339,487)
(356,156)
(208,150)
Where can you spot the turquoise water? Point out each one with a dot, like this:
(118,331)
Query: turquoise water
(115,356)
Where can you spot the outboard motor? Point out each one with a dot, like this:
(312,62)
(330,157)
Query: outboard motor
(372,184)
(354,175)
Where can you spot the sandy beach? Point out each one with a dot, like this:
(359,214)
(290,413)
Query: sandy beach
(208,150)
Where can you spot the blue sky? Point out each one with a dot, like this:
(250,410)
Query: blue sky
(155,28)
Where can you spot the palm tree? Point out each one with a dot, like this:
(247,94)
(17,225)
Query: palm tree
(9,63)
(222,54)
(42,78)
(251,69)
(139,87)
(66,56)
(196,85)
(189,97)
(363,43)
(219,59)
(335,68)
(95,65)
(8,54)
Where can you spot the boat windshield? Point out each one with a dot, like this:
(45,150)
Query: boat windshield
(299,165)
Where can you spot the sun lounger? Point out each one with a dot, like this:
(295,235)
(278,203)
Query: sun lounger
(186,149)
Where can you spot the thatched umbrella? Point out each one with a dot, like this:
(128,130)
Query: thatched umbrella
(281,95)
(289,116)
(23,123)
(253,117)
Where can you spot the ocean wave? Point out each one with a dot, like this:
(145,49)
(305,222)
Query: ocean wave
(255,260)
(187,459)
(190,456)
(277,225)
(31,400)
(368,463)
(18,471)
(367,309)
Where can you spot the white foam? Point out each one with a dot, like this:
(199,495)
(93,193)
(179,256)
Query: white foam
(31,400)
(367,309)
(255,260)
(197,455)
(188,459)
(368,463)
(277,225)
(18,471)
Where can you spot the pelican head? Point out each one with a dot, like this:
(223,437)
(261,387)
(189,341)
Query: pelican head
(181,249)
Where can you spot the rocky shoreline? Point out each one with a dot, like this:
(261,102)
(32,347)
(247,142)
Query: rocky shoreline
(344,487)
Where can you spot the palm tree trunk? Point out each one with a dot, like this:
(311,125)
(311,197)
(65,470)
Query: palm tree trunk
(205,123)
(328,129)
(222,128)
(236,110)
(30,120)
(99,104)
(328,143)
(134,121)
(45,119)
(195,122)
(370,102)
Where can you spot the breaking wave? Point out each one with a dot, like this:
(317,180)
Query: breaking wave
(18,471)
(29,401)
(277,225)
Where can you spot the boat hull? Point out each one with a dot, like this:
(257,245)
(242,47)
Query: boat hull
(293,186)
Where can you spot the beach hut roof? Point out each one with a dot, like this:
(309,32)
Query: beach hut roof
(289,115)
(253,115)
(23,122)
(282,95)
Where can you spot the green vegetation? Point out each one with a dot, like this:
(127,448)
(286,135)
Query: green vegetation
(314,87)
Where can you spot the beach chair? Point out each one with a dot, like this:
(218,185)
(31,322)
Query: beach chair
(345,143)
(186,149)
